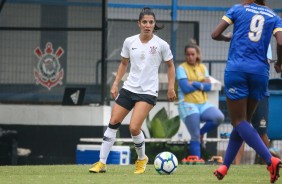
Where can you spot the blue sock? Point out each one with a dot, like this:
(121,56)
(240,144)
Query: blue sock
(233,147)
(195,148)
(209,125)
(252,138)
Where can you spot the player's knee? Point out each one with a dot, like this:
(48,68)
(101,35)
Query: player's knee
(134,130)
(218,119)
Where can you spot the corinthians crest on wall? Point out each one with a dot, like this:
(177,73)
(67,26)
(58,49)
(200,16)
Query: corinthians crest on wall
(48,72)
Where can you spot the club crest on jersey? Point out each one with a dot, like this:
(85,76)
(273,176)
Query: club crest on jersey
(153,50)
(48,72)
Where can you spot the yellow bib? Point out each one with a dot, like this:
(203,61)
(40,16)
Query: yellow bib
(195,73)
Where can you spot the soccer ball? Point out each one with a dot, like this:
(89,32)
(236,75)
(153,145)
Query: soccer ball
(166,163)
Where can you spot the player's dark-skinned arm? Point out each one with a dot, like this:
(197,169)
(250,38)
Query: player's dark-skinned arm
(278,64)
(218,35)
(185,86)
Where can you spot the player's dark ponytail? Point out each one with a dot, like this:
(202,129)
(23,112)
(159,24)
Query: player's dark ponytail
(260,2)
(148,11)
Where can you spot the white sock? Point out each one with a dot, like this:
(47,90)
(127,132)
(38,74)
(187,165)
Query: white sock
(108,141)
(139,144)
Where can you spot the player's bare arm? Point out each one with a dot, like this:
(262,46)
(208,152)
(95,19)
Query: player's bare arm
(278,64)
(120,73)
(171,80)
(218,35)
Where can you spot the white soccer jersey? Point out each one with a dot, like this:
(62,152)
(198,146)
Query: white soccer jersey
(145,60)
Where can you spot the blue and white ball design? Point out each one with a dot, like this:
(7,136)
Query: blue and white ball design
(166,163)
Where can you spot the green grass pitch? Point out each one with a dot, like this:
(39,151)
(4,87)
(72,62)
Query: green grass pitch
(78,174)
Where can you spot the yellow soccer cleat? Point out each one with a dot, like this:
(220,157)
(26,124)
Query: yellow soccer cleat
(140,165)
(98,167)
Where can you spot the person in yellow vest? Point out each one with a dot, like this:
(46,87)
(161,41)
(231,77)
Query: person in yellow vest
(193,83)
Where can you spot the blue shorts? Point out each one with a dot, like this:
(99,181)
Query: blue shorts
(239,85)
(186,109)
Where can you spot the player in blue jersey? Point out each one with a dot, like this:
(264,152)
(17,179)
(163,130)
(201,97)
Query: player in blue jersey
(246,75)
(260,123)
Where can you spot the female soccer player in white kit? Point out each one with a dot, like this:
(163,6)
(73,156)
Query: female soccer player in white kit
(145,51)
